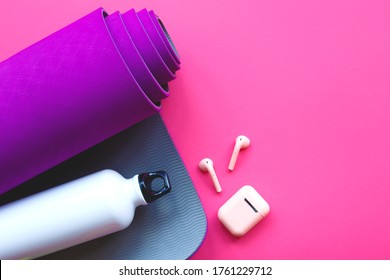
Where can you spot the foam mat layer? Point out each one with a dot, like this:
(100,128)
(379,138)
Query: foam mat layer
(170,228)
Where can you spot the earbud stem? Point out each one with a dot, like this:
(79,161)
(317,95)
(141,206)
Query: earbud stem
(234,157)
(216,183)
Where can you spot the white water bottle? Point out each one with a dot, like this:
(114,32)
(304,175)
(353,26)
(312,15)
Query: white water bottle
(75,212)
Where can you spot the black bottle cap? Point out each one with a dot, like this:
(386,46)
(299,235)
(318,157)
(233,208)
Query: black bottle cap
(148,188)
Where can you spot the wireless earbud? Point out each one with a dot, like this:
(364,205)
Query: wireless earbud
(242,142)
(206,165)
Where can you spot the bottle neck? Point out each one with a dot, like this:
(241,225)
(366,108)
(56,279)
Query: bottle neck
(134,189)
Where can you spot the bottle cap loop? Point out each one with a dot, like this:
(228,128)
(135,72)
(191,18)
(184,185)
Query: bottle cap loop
(146,184)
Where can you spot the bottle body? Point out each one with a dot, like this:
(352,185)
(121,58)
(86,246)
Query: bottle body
(67,215)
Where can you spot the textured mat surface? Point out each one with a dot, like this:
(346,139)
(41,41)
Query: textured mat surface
(170,228)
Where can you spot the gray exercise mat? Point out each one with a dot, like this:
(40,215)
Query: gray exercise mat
(172,227)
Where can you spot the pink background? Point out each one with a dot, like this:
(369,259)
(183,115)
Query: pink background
(307,81)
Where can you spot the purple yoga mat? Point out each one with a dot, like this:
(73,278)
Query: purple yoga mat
(78,87)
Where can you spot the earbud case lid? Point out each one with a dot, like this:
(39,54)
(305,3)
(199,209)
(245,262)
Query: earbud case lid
(243,211)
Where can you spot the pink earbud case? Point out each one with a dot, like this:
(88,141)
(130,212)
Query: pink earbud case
(243,211)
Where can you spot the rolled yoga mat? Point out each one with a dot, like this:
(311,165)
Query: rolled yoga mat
(80,86)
